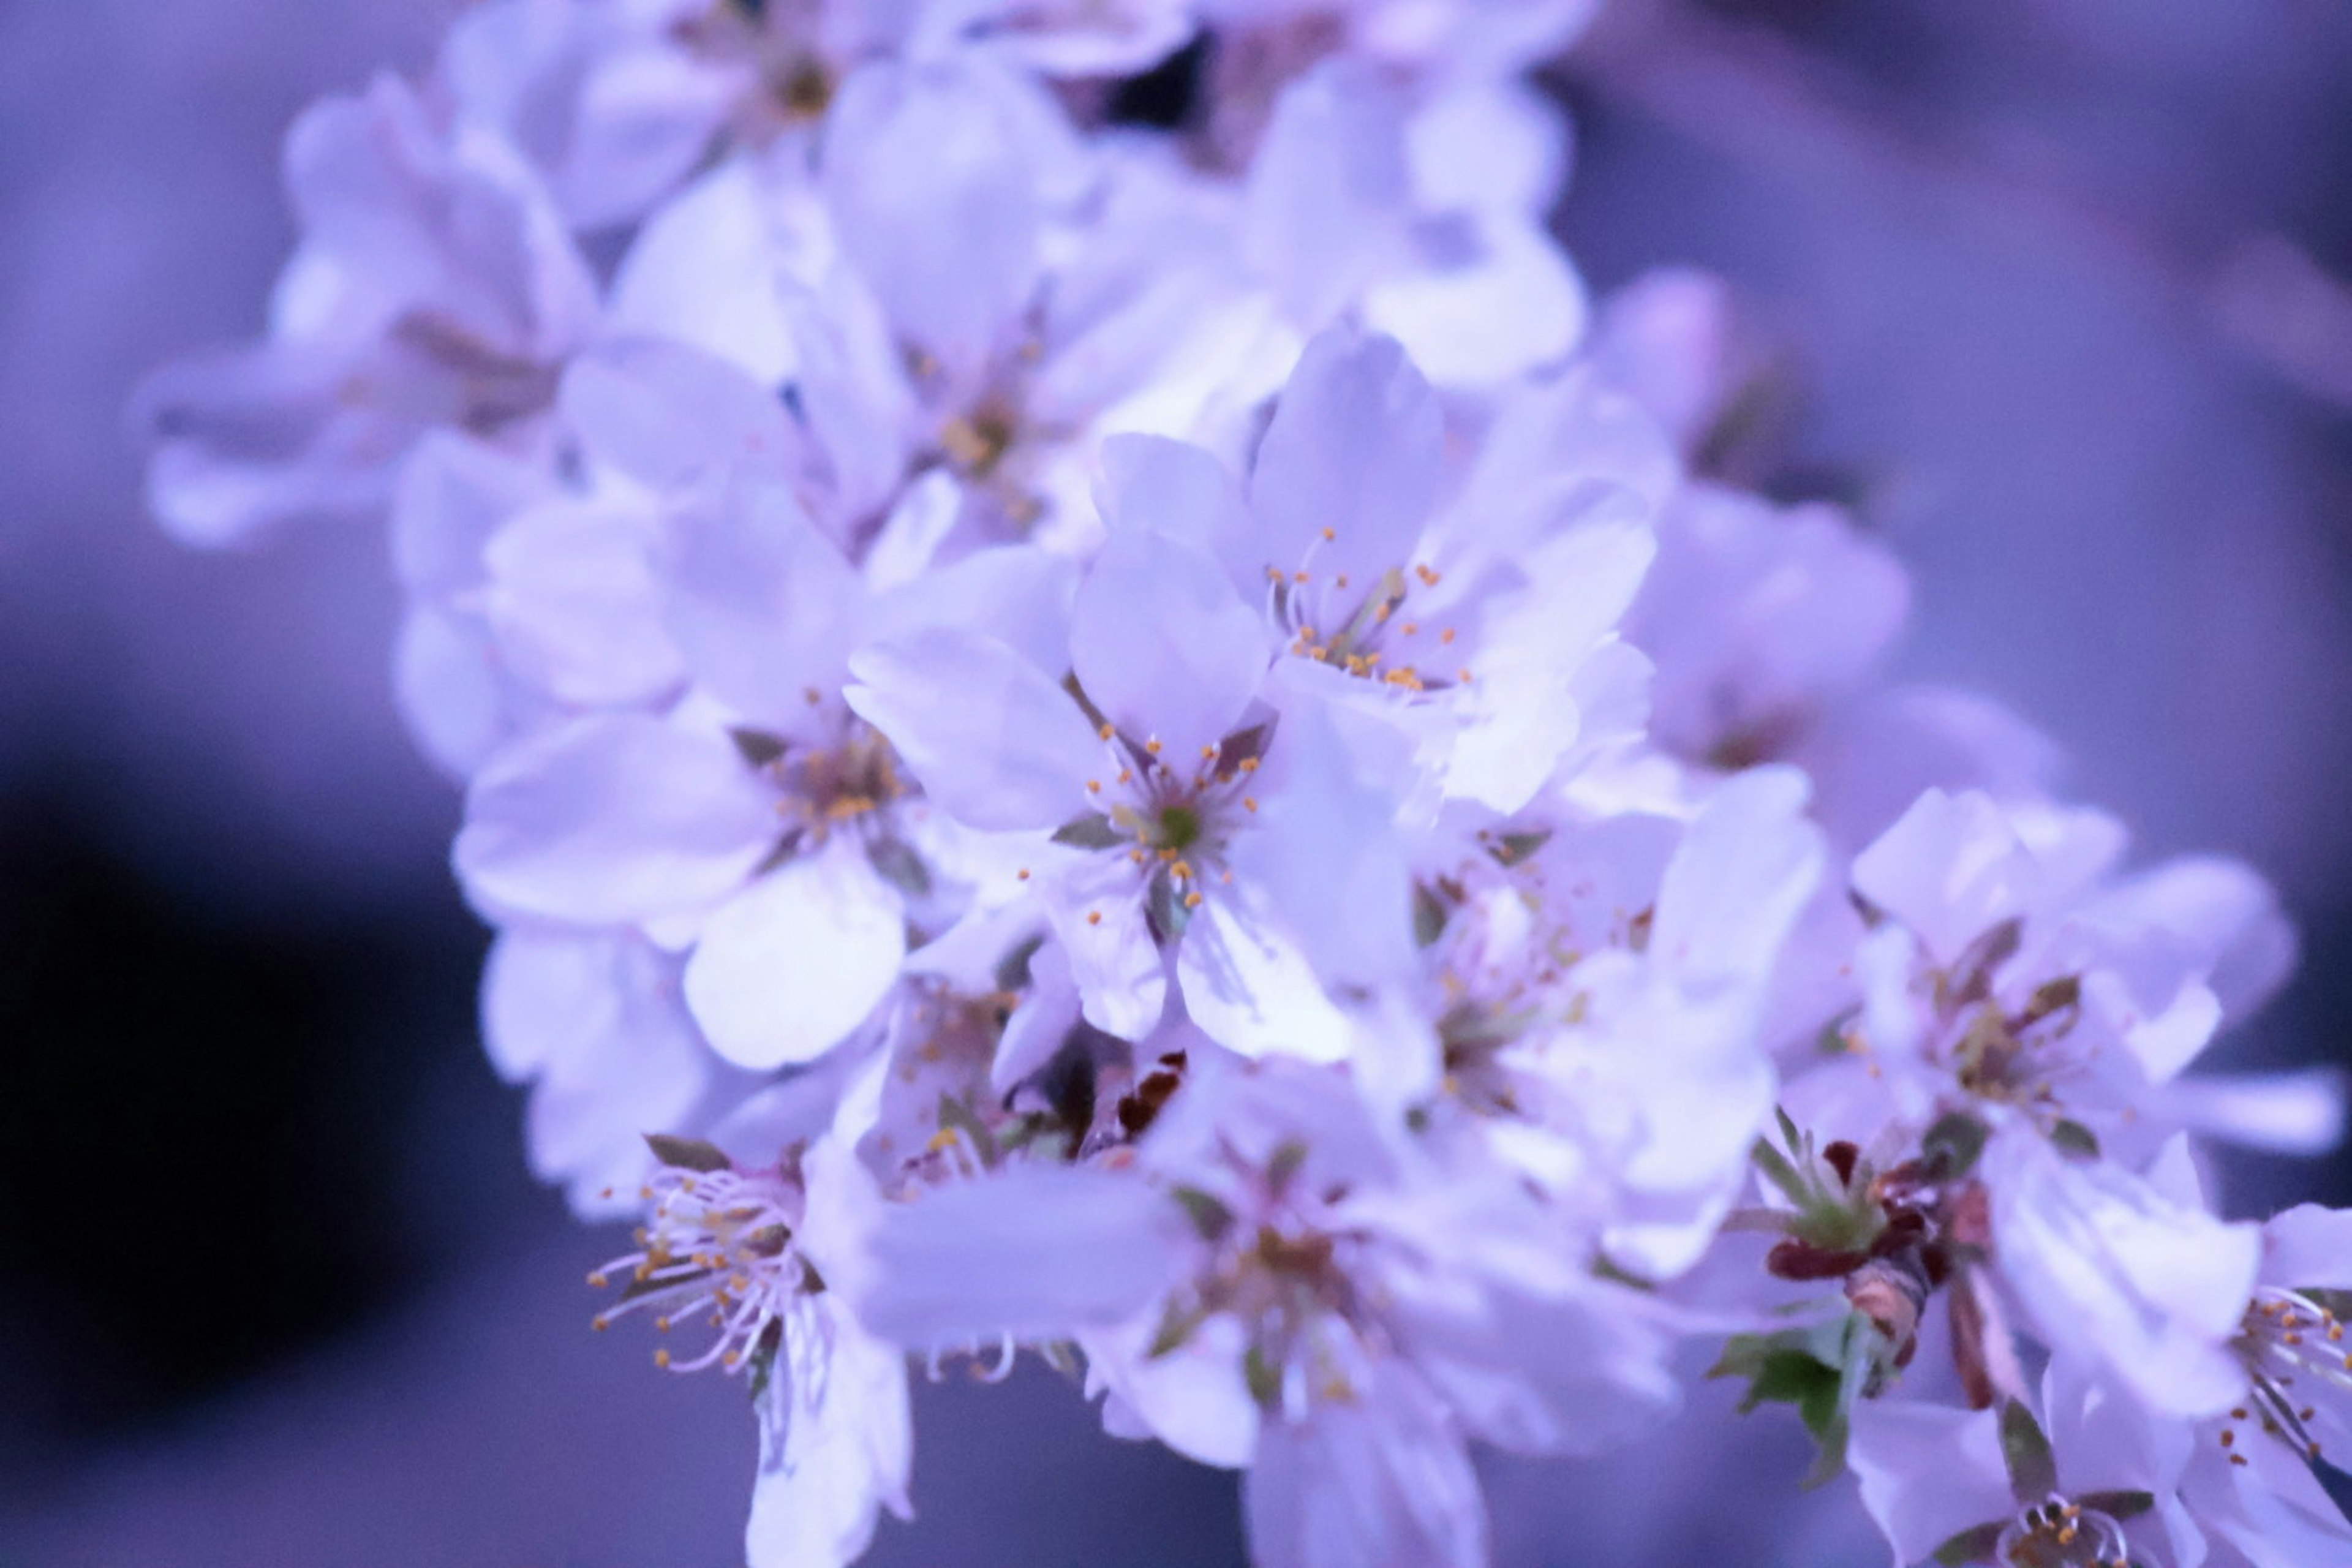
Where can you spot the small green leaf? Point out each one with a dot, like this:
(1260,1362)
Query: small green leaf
(688,1153)
(1013,969)
(1510,849)
(1976,1545)
(2032,1470)
(1429,916)
(1952,1144)
(2118,1506)
(2074,1138)
(1092,831)
(1264,1377)
(764,1367)
(1177,1324)
(1782,1174)
(899,865)
(1164,901)
(756,747)
(1208,1215)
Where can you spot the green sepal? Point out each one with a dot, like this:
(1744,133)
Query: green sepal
(1164,902)
(1264,1377)
(1953,1145)
(1429,917)
(2074,1138)
(1091,831)
(688,1153)
(1510,849)
(2032,1469)
(899,865)
(1208,1214)
(1821,1369)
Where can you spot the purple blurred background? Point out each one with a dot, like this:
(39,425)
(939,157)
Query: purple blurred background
(2056,279)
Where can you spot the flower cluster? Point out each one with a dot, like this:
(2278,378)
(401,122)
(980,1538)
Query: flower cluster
(1085,683)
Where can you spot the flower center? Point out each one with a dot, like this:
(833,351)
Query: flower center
(822,788)
(2061,1534)
(718,1241)
(1285,1272)
(1361,630)
(2295,1352)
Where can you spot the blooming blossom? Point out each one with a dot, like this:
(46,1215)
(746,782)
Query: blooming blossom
(1135,743)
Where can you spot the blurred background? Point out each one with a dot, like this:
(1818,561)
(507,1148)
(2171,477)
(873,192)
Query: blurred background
(2054,285)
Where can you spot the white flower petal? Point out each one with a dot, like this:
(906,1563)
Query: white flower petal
(606,820)
(1354,448)
(1034,1251)
(1164,645)
(1250,989)
(837,1442)
(789,966)
(992,738)
(1376,1480)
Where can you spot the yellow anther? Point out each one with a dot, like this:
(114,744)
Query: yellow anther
(1299,576)
(600,1322)
(597,1281)
(1249,802)
(1331,535)
(1107,730)
(1446,636)
(1094,917)
(1249,764)
(1094,786)
(661,1358)
(1023,873)
(1191,900)
(1152,745)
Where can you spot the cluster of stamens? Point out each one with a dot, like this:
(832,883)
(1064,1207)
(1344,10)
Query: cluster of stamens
(2018,1057)
(718,1242)
(1176,820)
(779,41)
(1353,635)
(821,789)
(2062,1534)
(984,433)
(2293,1349)
(1283,1272)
